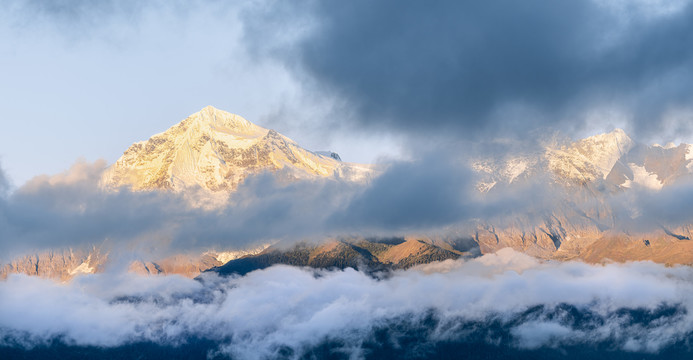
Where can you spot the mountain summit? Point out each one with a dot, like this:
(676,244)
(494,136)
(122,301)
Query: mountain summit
(217,150)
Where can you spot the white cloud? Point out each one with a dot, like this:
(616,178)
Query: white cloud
(256,315)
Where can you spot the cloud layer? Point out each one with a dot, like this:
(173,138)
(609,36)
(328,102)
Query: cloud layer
(282,308)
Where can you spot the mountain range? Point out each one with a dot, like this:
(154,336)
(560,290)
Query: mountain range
(210,153)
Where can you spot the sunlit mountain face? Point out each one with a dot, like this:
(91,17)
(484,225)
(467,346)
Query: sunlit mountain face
(406,180)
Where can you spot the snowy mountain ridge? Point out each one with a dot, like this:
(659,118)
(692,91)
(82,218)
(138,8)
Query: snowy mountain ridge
(613,158)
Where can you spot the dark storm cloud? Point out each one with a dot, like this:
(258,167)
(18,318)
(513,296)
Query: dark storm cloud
(501,66)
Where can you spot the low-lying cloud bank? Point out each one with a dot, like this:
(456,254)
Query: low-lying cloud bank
(434,193)
(505,300)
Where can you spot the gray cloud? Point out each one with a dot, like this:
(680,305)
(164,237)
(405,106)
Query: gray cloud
(258,315)
(501,67)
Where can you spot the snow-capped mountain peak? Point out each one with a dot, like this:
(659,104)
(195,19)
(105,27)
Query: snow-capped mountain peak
(216,150)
